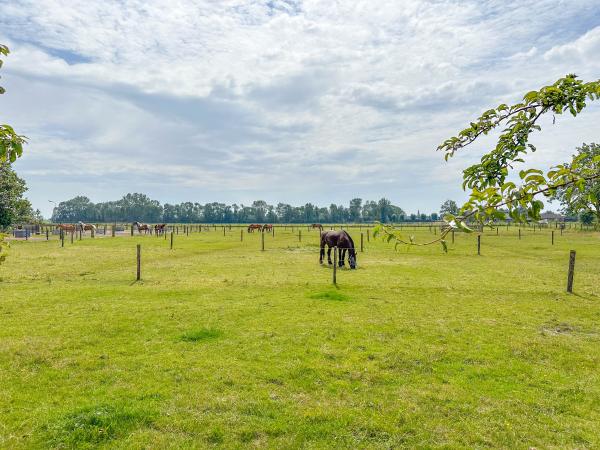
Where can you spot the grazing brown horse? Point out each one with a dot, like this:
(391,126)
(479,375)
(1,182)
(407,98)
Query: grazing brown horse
(342,240)
(254,226)
(317,225)
(67,227)
(160,228)
(267,227)
(141,227)
(83,227)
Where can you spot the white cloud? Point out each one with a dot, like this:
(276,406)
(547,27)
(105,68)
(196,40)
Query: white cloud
(286,100)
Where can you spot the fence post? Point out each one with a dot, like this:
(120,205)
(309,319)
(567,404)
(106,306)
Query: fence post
(273,231)
(335,265)
(171,239)
(241,235)
(361,242)
(139,262)
(368,236)
(299,235)
(72,236)
(113,230)
(453,236)
(552,237)
(223,231)
(479,244)
(132,230)
(62,238)
(571,271)
(262,239)
(47,235)
(519,233)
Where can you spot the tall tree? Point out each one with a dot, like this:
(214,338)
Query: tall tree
(11,148)
(13,207)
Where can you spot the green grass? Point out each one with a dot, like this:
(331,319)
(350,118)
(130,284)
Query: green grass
(222,345)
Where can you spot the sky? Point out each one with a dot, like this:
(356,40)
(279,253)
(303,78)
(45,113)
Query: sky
(289,101)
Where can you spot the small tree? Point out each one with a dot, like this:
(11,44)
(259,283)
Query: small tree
(587,217)
(449,207)
(587,199)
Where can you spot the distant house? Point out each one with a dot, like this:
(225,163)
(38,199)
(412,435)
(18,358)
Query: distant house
(550,216)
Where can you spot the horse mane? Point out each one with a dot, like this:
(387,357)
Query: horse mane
(350,239)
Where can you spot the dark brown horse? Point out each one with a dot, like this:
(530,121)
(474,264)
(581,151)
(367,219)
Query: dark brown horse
(317,225)
(342,240)
(160,228)
(254,226)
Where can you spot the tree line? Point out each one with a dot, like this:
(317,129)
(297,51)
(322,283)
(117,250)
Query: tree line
(140,207)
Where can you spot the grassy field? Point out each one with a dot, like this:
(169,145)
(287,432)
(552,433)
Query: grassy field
(222,345)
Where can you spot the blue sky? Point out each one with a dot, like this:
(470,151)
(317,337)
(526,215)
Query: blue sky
(293,101)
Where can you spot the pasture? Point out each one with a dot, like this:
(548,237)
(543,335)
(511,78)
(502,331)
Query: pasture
(223,345)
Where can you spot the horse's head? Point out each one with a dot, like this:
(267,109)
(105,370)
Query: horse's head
(352,259)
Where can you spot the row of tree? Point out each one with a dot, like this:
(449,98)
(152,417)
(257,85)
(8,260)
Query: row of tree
(140,207)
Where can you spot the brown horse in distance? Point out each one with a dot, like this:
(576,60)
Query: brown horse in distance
(160,228)
(267,227)
(317,225)
(83,227)
(141,227)
(67,227)
(254,226)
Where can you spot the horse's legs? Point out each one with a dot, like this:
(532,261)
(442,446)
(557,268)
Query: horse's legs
(322,253)
(329,255)
(342,256)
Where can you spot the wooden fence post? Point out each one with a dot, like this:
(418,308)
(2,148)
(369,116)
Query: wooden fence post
(552,237)
(335,263)
(113,230)
(571,271)
(479,244)
(171,239)
(62,238)
(368,237)
(519,233)
(262,239)
(139,262)
(47,235)
(241,235)
(299,235)
(273,231)
(72,236)
(361,242)
(453,236)
(223,231)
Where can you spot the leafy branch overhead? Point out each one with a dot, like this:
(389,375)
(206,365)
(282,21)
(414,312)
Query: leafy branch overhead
(489,181)
(11,144)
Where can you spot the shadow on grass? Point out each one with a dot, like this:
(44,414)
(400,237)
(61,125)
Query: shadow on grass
(329,294)
(202,334)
